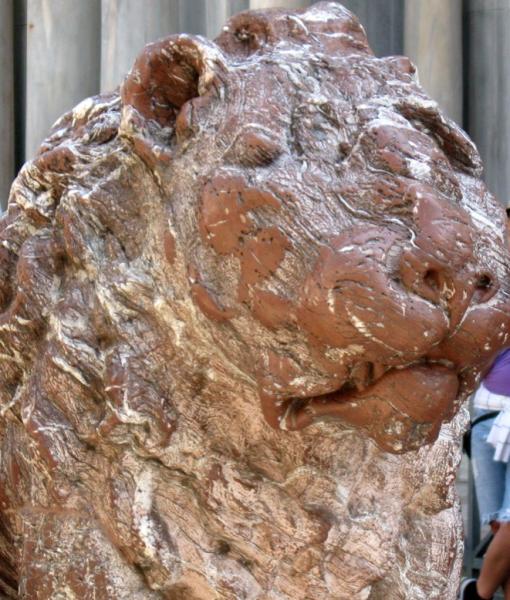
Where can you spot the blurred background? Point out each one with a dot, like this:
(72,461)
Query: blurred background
(54,53)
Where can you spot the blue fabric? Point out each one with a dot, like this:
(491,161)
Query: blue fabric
(492,478)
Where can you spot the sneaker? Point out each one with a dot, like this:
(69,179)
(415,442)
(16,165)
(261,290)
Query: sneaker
(468,590)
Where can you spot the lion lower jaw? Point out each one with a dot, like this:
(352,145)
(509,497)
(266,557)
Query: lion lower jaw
(400,411)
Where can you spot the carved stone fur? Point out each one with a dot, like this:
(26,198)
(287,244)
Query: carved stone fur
(243,301)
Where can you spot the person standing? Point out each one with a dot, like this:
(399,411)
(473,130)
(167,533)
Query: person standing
(490,454)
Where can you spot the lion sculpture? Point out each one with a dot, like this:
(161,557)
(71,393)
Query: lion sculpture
(244,299)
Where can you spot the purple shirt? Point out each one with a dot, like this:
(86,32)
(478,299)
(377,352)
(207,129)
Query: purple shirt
(497,379)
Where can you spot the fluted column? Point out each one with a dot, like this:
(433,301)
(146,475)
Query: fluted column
(63,56)
(433,40)
(488,88)
(238,6)
(383,21)
(6,100)
(194,15)
(279,3)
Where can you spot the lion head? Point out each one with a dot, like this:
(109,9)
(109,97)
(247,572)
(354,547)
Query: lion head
(267,264)
(339,237)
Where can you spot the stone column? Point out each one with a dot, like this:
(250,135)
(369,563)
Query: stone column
(216,13)
(433,41)
(238,6)
(6,100)
(126,26)
(488,88)
(63,56)
(207,17)
(279,3)
(384,23)
(194,16)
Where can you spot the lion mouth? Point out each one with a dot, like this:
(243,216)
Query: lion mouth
(400,407)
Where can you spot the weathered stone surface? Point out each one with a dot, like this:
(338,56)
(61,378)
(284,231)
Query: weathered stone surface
(243,302)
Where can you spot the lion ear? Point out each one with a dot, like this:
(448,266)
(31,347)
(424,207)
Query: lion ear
(166,77)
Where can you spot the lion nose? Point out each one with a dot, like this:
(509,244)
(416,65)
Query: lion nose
(438,264)
(454,290)
(437,282)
